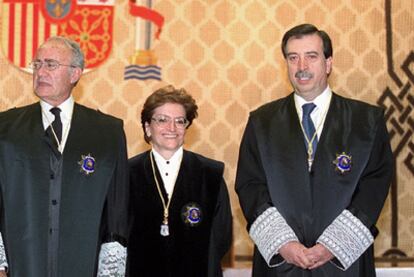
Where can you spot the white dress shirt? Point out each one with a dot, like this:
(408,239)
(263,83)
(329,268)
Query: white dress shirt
(66,116)
(318,115)
(169,168)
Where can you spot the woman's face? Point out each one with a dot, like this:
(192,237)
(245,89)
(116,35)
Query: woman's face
(167,128)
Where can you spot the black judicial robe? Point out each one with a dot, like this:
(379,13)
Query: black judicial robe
(189,251)
(93,208)
(272,171)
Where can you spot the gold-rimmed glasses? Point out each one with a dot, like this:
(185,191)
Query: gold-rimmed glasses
(49,64)
(164,121)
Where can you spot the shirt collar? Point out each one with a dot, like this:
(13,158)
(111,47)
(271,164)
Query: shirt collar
(176,157)
(66,111)
(321,101)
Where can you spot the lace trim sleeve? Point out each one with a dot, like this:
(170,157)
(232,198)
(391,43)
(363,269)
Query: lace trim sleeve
(112,260)
(270,232)
(347,239)
(3,257)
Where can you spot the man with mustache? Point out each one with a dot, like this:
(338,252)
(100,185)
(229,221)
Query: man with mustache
(313,172)
(63,178)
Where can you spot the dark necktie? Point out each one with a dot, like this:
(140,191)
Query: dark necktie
(308,126)
(57,123)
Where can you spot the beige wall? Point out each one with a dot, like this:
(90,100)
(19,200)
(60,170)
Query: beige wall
(226,53)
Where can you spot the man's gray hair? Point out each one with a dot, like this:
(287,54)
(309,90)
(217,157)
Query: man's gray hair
(78,59)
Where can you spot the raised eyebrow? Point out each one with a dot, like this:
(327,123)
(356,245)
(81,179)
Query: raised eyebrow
(162,115)
(312,53)
(50,60)
(292,54)
(306,53)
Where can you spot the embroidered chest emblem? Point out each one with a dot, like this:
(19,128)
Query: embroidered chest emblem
(343,162)
(191,214)
(87,164)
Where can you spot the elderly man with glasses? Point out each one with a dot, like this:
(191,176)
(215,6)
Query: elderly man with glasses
(63,178)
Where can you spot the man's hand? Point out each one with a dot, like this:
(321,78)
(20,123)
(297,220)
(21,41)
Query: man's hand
(3,273)
(318,255)
(294,253)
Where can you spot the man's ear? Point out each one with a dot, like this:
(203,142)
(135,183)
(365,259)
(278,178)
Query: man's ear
(329,65)
(76,74)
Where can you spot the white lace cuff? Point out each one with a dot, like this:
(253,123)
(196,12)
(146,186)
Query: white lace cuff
(3,257)
(112,260)
(270,232)
(347,238)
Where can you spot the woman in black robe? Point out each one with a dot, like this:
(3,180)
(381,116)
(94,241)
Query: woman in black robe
(180,208)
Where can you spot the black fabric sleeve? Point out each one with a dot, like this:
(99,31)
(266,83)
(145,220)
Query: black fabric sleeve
(221,232)
(116,208)
(374,184)
(251,185)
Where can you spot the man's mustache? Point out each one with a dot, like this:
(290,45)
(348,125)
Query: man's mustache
(303,74)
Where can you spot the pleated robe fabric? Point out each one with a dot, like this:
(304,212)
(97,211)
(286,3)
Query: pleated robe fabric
(189,251)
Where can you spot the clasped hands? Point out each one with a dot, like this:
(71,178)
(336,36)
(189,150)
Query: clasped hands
(307,258)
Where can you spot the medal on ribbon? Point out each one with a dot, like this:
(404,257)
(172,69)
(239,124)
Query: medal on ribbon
(343,162)
(87,164)
(191,214)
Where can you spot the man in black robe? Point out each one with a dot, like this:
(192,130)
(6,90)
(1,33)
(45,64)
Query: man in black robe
(63,178)
(314,171)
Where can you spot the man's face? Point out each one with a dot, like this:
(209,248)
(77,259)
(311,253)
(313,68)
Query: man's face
(54,86)
(307,67)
